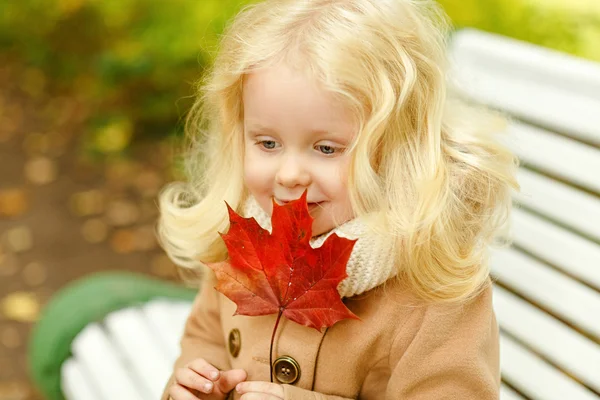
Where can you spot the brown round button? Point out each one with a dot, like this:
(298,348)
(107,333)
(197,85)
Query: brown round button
(286,370)
(235,342)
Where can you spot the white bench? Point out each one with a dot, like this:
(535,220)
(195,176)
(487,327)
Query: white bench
(547,295)
(129,355)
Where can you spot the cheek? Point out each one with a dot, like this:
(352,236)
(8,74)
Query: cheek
(251,179)
(344,170)
(258,182)
(338,181)
(256,173)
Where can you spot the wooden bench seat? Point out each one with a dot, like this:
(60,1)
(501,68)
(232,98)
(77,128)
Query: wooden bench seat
(547,284)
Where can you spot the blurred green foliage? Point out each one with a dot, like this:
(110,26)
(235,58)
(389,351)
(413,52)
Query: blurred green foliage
(134,62)
(574,30)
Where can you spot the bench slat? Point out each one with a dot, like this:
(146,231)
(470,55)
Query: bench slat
(507,393)
(558,110)
(142,349)
(180,311)
(566,158)
(571,300)
(76,384)
(547,87)
(536,378)
(568,251)
(560,202)
(105,364)
(159,314)
(576,354)
(513,56)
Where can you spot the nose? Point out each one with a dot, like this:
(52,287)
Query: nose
(293,172)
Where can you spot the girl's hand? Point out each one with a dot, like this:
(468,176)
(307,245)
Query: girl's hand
(257,390)
(201,380)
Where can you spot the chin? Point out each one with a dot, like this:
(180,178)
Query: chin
(319,228)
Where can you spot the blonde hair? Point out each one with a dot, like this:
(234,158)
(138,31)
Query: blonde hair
(430,165)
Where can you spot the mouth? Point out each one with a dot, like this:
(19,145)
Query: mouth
(311,205)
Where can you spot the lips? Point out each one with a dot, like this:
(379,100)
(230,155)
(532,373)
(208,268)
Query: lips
(311,205)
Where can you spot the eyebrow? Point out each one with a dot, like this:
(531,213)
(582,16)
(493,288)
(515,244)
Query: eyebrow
(257,128)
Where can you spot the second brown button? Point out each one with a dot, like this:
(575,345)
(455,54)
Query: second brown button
(235,342)
(286,370)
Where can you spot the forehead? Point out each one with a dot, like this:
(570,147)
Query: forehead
(283,98)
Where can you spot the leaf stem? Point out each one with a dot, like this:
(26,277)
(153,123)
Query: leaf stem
(273,340)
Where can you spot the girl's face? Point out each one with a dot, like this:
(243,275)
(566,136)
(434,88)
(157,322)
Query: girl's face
(295,138)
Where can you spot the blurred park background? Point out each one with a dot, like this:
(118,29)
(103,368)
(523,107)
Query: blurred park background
(93,94)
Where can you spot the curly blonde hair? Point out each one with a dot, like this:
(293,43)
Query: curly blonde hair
(432,166)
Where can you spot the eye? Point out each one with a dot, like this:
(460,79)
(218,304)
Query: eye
(267,144)
(326,149)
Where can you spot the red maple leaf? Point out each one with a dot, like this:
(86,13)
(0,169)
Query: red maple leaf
(280,272)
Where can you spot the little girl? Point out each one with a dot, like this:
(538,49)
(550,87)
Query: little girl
(346,100)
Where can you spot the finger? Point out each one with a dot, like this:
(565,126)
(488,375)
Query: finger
(178,392)
(231,378)
(205,369)
(260,387)
(191,379)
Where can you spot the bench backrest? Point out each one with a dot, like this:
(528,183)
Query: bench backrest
(547,292)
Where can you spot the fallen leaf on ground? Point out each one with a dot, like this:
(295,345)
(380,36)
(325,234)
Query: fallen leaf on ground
(20,306)
(41,170)
(36,144)
(14,390)
(123,241)
(9,264)
(94,230)
(145,238)
(163,267)
(10,338)
(13,202)
(148,183)
(34,274)
(19,239)
(89,202)
(122,213)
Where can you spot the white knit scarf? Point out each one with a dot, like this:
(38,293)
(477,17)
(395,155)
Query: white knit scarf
(371,262)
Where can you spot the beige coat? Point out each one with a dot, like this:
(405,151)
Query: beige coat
(401,348)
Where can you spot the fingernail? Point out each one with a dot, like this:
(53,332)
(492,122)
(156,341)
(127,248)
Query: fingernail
(214,375)
(208,386)
(238,388)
